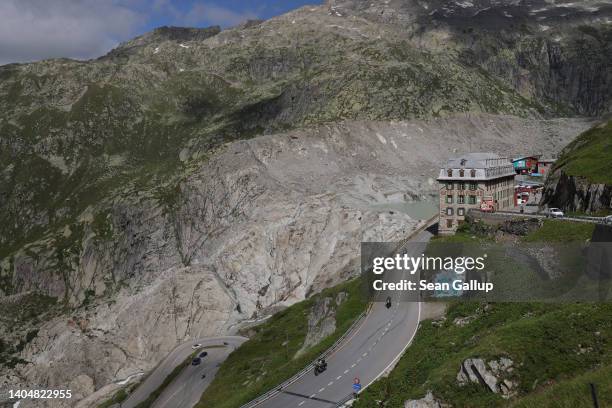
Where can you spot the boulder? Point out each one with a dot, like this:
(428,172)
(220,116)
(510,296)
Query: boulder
(494,375)
(321,321)
(426,402)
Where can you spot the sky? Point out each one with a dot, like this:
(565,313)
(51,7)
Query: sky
(32,30)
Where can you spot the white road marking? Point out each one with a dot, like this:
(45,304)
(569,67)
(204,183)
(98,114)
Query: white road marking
(322,389)
(346,371)
(312,396)
(330,384)
(301,403)
(338,377)
(364,354)
(402,352)
(353,366)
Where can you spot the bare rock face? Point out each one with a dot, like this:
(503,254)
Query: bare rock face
(321,321)
(260,225)
(573,193)
(492,375)
(426,402)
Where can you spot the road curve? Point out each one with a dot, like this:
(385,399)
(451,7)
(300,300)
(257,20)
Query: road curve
(190,380)
(368,353)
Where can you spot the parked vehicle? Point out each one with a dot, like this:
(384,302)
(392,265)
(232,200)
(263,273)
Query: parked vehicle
(554,213)
(196,346)
(196,361)
(608,220)
(487,205)
(203,354)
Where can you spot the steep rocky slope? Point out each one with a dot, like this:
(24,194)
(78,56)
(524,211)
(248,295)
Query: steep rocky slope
(581,179)
(195,178)
(262,223)
(538,48)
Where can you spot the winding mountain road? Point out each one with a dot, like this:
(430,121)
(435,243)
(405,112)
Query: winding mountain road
(368,353)
(185,390)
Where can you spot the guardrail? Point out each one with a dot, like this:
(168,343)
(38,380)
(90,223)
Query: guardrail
(264,397)
(500,214)
(414,233)
(344,400)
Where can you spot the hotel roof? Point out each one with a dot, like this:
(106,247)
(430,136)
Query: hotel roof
(486,166)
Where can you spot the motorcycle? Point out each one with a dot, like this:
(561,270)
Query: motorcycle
(319,368)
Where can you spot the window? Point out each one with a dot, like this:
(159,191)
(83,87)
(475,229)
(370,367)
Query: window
(449,173)
(460,199)
(449,185)
(461,212)
(449,211)
(461,173)
(472,199)
(472,186)
(472,173)
(449,223)
(461,186)
(449,199)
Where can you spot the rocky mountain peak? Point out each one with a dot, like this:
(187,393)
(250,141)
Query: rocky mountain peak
(165,33)
(172,33)
(494,14)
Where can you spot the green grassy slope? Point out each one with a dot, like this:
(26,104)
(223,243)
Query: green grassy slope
(573,393)
(590,155)
(542,340)
(561,231)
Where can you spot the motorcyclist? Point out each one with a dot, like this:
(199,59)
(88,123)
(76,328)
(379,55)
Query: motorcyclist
(356,387)
(320,366)
(388,302)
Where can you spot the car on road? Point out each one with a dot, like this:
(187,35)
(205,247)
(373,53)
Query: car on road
(554,213)
(196,361)
(203,354)
(196,346)
(608,220)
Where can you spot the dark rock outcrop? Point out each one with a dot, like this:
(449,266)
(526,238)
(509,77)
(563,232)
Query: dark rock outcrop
(572,193)
(321,321)
(494,375)
(520,227)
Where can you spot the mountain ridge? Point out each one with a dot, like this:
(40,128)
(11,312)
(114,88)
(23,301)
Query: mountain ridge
(127,183)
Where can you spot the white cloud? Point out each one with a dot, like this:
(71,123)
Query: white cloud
(32,30)
(37,29)
(201,14)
